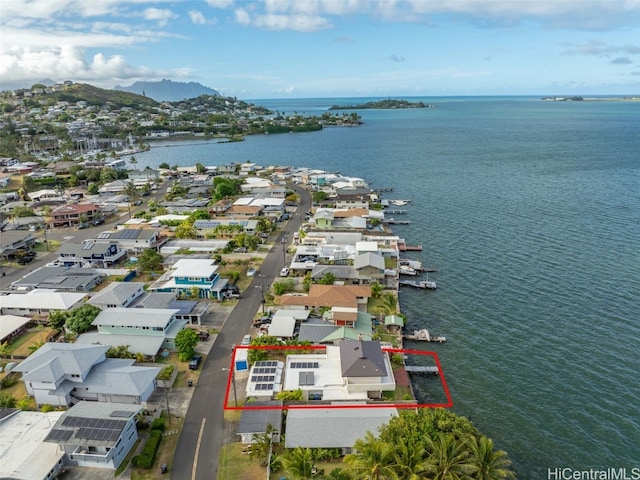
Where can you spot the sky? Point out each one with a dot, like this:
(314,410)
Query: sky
(265,49)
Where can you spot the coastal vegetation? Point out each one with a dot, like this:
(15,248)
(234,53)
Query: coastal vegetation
(388,103)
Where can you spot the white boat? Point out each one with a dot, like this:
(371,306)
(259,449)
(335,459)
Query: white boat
(407,270)
(400,203)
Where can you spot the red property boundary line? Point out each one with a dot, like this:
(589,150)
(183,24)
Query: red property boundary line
(314,348)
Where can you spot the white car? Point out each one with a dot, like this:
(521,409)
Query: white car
(251,272)
(284,272)
(246,340)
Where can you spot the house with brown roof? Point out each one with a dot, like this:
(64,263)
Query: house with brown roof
(346,300)
(72,215)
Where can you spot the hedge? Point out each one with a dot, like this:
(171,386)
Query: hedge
(148,454)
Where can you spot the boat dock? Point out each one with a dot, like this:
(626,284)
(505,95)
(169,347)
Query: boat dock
(396,212)
(424,336)
(423,284)
(403,247)
(393,221)
(420,369)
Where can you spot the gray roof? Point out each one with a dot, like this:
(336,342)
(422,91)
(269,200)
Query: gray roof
(338,271)
(154,300)
(54,360)
(148,345)
(120,377)
(127,234)
(315,333)
(333,427)
(369,259)
(137,317)
(59,278)
(362,359)
(116,293)
(256,421)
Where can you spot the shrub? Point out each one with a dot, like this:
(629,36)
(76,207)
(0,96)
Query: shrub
(46,408)
(158,424)
(148,454)
(7,400)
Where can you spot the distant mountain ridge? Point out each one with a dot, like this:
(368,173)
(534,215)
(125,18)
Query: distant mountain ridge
(168,90)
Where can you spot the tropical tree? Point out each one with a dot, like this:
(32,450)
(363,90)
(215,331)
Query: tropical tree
(150,260)
(186,341)
(262,444)
(186,230)
(388,304)
(373,459)
(298,463)
(81,318)
(410,462)
(449,459)
(489,464)
(376,289)
(133,161)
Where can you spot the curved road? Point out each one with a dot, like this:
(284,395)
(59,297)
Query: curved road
(202,435)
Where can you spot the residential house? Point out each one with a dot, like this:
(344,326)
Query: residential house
(133,239)
(191,276)
(369,267)
(256,419)
(12,326)
(98,435)
(144,330)
(61,374)
(39,302)
(220,207)
(352,297)
(13,240)
(225,226)
(185,205)
(190,311)
(91,252)
(24,453)
(117,294)
(72,215)
(350,370)
(326,331)
(334,427)
(61,279)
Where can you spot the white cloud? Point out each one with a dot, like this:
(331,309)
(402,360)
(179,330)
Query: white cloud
(242,16)
(161,15)
(197,17)
(220,3)
(300,23)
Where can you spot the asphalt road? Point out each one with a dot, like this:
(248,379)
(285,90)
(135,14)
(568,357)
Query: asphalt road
(202,435)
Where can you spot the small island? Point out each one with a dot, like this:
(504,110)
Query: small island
(382,104)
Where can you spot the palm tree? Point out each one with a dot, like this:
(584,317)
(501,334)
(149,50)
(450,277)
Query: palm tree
(449,459)
(490,464)
(133,161)
(388,304)
(298,463)
(373,459)
(410,462)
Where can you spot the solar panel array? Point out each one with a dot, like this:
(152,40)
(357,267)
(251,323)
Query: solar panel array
(264,386)
(128,233)
(263,378)
(59,435)
(305,378)
(89,428)
(305,365)
(263,370)
(121,414)
(266,363)
(101,434)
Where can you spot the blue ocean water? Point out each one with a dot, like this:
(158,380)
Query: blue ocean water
(530,211)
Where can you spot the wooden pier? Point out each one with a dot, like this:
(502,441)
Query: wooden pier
(423,284)
(393,221)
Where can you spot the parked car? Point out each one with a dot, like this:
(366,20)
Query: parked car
(251,272)
(194,363)
(240,250)
(83,225)
(246,340)
(232,295)
(284,272)
(203,335)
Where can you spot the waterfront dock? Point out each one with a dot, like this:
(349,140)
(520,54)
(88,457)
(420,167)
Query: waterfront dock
(421,369)
(403,247)
(422,284)
(424,336)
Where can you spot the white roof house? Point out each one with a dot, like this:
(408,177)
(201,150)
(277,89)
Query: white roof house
(117,294)
(39,302)
(23,453)
(10,325)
